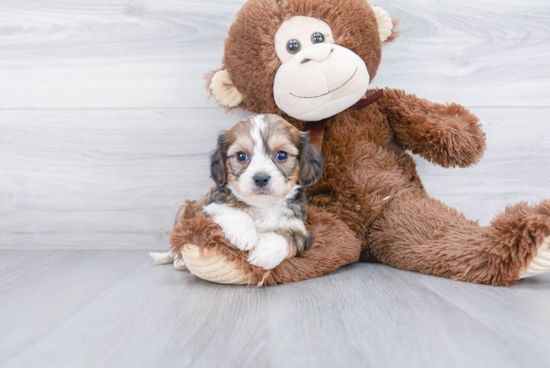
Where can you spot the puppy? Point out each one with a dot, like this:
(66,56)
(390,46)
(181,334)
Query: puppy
(261,168)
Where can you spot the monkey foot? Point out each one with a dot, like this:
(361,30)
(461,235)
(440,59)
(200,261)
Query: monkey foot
(541,263)
(215,266)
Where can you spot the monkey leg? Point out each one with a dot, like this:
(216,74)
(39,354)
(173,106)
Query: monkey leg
(422,234)
(334,245)
(200,243)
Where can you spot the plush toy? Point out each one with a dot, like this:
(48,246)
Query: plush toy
(311,61)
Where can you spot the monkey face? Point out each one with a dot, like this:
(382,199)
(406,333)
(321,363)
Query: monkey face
(308,59)
(317,78)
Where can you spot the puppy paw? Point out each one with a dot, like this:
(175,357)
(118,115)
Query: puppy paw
(244,238)
(271,250)
(239,228)
(541,263)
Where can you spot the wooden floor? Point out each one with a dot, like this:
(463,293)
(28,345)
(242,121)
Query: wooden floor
(105,130)
(90,308)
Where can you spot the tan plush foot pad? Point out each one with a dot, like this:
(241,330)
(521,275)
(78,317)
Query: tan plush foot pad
(541,263)
(214,267)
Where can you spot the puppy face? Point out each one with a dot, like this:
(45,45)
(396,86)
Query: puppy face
(263,159)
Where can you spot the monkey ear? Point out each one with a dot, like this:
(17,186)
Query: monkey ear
(311,164)
(385,25)
(217,163)
(223,89)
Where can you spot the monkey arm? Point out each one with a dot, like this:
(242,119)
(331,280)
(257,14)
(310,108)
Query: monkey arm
(445,134)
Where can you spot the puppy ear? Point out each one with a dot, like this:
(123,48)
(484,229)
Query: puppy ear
(217,162)
(386,26)
(311,164)
(222,88)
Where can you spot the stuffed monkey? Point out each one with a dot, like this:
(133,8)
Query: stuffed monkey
(312,61)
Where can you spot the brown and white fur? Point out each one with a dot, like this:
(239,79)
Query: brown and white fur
(261,168)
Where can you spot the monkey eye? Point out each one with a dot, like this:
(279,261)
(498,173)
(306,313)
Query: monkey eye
(242,157)
(281,156)
(293,46)
(317,37)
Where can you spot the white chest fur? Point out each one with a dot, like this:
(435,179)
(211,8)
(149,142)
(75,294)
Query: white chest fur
(271,217)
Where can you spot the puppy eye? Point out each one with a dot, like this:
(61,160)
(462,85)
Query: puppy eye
(281,156)
(293,46)
(242,156)
(317,37)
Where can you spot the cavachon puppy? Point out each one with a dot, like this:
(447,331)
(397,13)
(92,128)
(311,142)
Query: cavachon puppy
(261,168)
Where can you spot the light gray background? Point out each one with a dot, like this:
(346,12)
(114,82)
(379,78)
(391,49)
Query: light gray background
(105,129)
(105,124)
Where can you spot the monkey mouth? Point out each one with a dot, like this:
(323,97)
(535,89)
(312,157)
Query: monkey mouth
(324,94)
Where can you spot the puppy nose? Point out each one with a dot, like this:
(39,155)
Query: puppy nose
(318,52)
(261,180)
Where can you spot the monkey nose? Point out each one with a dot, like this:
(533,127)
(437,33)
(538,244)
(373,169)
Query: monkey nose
(318,52)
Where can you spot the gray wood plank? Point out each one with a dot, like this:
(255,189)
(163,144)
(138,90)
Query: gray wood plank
(116,308)
(11,258)
(136,314)
(476,53)
(149,54)
(37,294)
(510,316)
(102,178)
(105,179)
(375,315)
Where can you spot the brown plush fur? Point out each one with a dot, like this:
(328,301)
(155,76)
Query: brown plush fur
(370,199)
